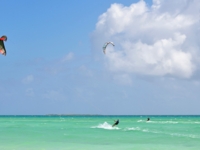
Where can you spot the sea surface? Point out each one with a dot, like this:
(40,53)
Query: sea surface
(97,133)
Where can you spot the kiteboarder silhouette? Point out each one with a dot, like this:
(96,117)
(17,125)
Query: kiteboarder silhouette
(116,123)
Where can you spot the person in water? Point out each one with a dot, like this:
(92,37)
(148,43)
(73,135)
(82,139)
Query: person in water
(116,123)
(148,119)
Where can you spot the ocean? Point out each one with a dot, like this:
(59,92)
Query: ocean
(97,133)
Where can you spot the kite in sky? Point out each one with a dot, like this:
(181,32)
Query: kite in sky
(105,45)
(2,47)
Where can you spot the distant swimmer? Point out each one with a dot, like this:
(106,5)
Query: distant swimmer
(148,119)
(116,123)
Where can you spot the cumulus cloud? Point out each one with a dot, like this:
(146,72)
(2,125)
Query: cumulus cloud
(157,40)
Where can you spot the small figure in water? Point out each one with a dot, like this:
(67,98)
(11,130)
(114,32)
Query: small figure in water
(116,123)
(148,119)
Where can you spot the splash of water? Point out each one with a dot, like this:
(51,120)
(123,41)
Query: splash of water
(106,126)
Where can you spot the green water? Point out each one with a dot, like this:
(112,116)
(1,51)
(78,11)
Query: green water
(96,132)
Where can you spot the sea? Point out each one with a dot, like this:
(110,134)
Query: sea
(95,132)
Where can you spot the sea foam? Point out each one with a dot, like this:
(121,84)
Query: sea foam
(106,126)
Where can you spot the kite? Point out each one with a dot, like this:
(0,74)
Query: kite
(2,47)
(105,45)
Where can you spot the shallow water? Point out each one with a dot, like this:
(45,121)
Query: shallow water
(96,132)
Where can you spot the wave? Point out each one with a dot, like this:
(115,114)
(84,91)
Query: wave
(141,121)
(159,122)
(106,126)
(133,128)
(185,135)
(164,122)
(170,122)
(161,132)
(140,129)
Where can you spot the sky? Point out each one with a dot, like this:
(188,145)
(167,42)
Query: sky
(55,62)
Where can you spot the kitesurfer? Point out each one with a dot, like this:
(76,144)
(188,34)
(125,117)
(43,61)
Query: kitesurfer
(116,123)
(148,119)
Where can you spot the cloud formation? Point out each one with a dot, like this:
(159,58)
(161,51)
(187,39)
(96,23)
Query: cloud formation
(157,40)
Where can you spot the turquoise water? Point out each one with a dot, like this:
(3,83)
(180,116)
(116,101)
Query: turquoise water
(97,133)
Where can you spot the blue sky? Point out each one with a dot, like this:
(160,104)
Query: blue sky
(55,63)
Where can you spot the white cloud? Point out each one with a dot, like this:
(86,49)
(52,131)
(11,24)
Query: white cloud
(159,40)
(28,79)
(161,58)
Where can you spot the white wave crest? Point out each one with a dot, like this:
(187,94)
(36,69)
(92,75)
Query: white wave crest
(186,135)
(133,128)
(163,122)
(140,121)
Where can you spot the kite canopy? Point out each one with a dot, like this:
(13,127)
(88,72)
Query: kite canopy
(2,47)
(4,37)
(105,45)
